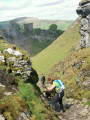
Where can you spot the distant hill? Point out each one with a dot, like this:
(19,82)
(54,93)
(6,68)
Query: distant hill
(38,23)
(36,39)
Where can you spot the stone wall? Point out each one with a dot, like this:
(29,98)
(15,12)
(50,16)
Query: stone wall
(84,12)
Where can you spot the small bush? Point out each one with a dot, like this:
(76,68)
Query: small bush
(53,27)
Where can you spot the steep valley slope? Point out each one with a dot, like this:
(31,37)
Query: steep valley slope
(69,56)
(20,97)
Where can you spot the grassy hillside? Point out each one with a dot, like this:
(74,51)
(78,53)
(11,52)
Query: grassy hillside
(35,46)
(65,59)
(59,49)
(5,25)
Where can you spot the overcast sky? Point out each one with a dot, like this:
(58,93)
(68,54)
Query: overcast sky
(42,9)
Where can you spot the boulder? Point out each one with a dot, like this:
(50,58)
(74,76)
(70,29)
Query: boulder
(1,117)
(83,112)
(13,52)
(8,93)
(25,115)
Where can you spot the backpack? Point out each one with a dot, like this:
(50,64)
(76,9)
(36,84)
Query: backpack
(62,86)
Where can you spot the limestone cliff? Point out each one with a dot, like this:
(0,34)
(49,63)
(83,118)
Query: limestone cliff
(84,11)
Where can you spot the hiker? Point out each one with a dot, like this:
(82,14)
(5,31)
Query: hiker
(42,80)
(59,88)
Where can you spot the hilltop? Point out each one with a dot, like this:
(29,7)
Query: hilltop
(38,23)
(23,33)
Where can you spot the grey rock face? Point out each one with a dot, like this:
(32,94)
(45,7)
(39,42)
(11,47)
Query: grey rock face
(84,83)
(75,110)
(1,117)
(84,11)
(25,115)
(2,58)
(18,65)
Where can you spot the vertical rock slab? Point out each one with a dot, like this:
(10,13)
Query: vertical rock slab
(84,11)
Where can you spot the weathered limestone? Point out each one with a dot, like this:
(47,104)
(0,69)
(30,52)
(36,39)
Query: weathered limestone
(84,11)
(2,58)
(76,110)
(17,64)
(2,85)
(25,115)
(13,52)
(8,93)
(1,117)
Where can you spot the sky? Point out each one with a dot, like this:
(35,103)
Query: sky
(41,9)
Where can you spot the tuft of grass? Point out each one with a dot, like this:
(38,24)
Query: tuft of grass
(88,103)
(8,116)
(3,68)
(12,106)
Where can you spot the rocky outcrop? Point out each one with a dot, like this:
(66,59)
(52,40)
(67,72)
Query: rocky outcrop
(75,110)
(18,64)
(84,11)
(25,115)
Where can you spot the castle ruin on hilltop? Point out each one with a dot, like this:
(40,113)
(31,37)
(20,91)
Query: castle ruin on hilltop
(28,28)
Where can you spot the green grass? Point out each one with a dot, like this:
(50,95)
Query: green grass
(32,98)
(45,60)
(88,103)
(3,68)
(61,26)
(35,46)
(1,46)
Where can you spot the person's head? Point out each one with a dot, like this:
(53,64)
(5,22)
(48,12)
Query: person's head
(51,79)
(41,74)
